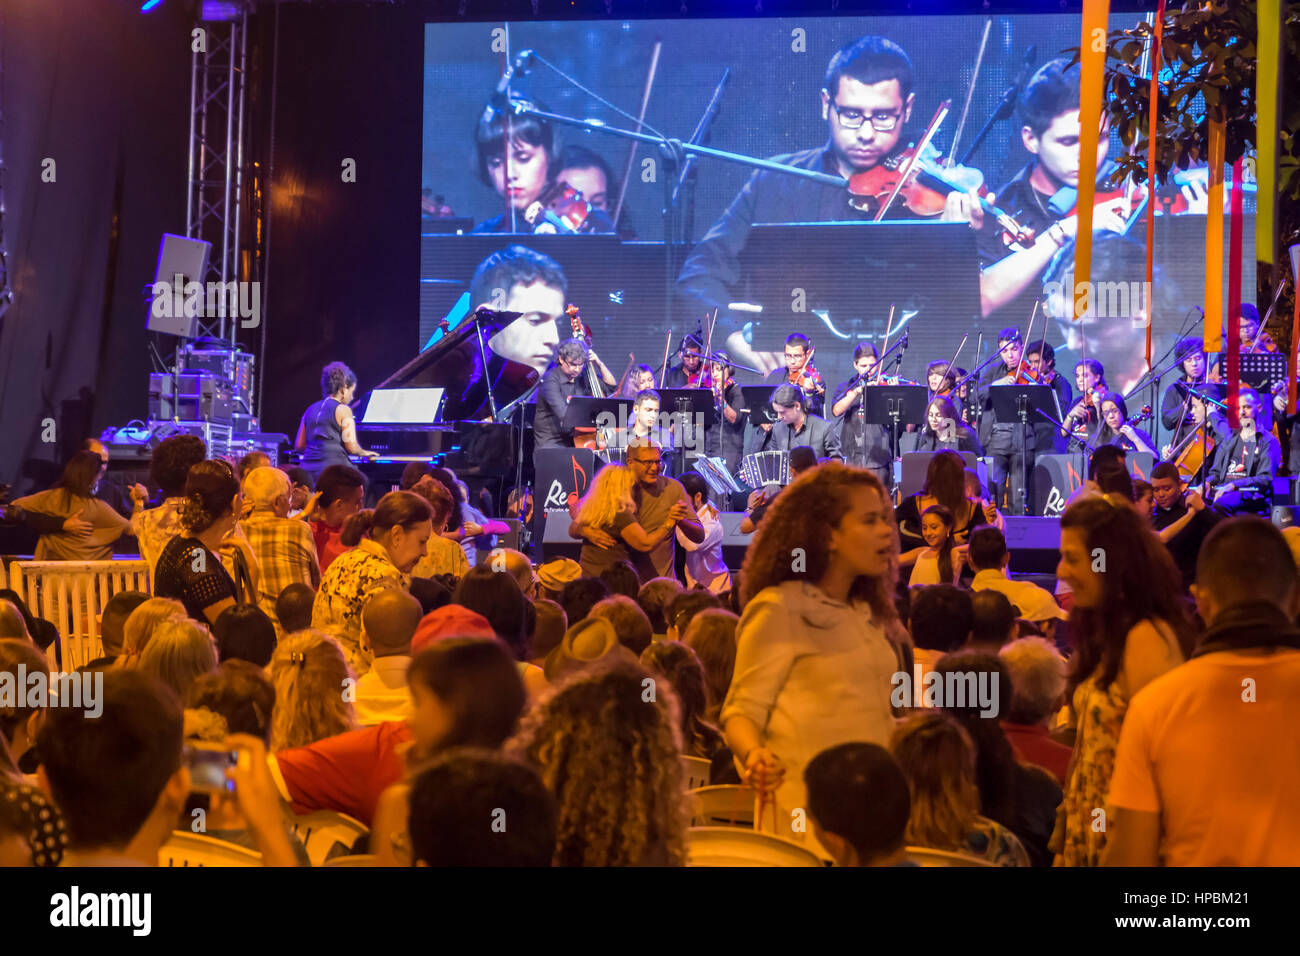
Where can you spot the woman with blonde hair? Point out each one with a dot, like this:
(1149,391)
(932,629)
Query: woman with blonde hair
(608,507)
(178,651)
(311,676)
(938,759)
(140,623)
(613,761)
(816,645)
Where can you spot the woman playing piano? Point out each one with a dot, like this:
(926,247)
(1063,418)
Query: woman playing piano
(327,434)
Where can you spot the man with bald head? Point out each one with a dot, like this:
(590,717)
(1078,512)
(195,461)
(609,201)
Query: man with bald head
(517,565)
(284,548)
(388,622)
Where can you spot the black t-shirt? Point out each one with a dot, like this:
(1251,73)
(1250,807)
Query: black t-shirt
(1186,544)
(193,575)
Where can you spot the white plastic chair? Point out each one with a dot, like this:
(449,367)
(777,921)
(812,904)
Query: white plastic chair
(726,805)
(322,831)
(929,857)
(727,846)
(196,849)
(357,859)
(696,771)
(71,595)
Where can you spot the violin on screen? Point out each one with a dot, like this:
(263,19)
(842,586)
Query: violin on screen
(559,210)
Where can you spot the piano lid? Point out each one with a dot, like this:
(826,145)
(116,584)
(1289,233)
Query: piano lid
(454,363)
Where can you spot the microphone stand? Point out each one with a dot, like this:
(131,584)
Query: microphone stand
(1006,106)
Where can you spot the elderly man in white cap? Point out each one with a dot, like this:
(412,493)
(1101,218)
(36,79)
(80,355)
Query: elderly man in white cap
(284,548)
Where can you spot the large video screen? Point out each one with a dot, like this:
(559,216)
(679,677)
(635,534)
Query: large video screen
(772,252)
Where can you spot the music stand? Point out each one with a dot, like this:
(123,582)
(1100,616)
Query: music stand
(584,411)
(895,405)
(1262,368)
(1022,404)
(758,402)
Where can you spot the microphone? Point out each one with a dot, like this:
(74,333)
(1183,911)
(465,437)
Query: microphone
(501,95)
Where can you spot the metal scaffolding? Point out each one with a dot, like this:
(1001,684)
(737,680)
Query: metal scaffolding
(216,154)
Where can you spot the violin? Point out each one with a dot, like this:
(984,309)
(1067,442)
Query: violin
(559,210)
(1127,201)
(807,377)
(915,175)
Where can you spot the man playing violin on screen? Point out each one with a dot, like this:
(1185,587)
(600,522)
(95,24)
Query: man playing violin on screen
(866,102)
(1049,111)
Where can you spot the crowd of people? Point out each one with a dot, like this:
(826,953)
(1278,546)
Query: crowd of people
(872,678)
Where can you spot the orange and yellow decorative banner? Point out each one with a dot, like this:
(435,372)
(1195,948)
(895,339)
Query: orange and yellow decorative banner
(1092,94)
(1213,332)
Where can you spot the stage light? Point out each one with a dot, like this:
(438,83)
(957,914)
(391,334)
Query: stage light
(150,5)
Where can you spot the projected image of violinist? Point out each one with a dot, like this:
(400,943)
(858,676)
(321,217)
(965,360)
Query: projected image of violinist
(866,102)
(517,157)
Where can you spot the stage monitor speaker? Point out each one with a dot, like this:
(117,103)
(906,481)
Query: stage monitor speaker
(556,542)
(1034,543)
(188,258)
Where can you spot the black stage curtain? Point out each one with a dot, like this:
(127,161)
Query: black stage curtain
(103,92)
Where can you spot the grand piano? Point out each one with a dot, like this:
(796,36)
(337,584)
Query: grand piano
(466,435)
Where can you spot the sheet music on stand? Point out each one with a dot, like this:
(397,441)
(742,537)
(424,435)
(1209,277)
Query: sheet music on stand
(715,474)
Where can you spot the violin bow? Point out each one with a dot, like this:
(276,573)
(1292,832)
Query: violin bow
(889,326)
(1025,343)
(640,121)
(939,115)
(951,365)
(970,91)
(663,369)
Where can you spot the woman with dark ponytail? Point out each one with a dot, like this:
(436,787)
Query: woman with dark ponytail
(189,568)
(390,540)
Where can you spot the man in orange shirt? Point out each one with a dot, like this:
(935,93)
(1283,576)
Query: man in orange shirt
(1205,772)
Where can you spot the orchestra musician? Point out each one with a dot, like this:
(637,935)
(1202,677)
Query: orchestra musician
(864,444)
(1041,359)
(1116,430)
(689,372)
(795,427)
(647,424)
(563,381)
(801,373)
(1049,113)
(636,381)
(1175,404)
(1002,441)
(726,439)
(1250,332)
(866,102)
(587,172)
(940,377)
(944,429)
(1245,461)
(517,158)
(1090,379)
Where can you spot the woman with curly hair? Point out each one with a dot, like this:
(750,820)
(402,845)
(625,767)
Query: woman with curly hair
(311,674)
(189,568)
(814,656)
(1129,626)
(327,433)
(612,760)
(938,758)
(609,507)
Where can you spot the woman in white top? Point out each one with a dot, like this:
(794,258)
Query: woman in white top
(813,662)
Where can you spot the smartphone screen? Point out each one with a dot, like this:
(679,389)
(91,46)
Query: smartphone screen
(208,764)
